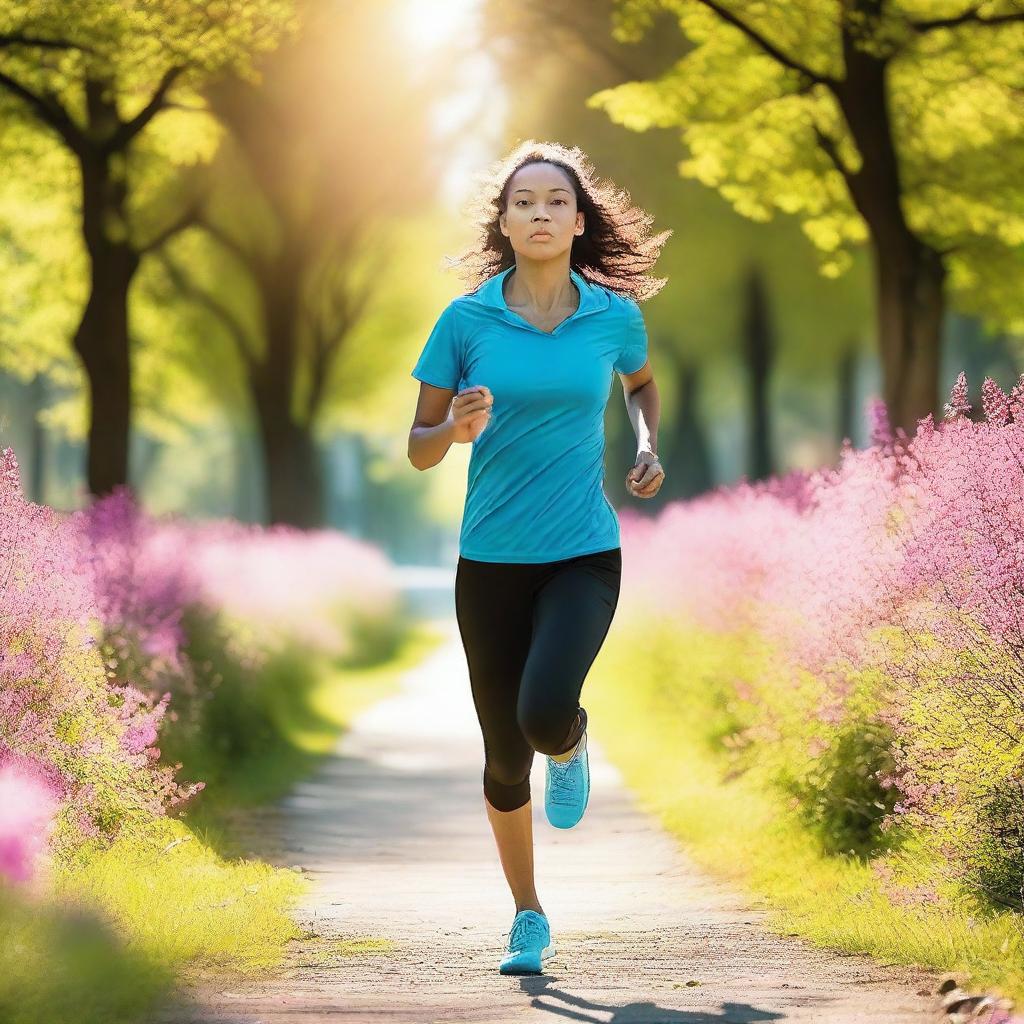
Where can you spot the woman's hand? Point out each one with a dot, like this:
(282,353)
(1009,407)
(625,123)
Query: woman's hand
(644,480)
(471,412)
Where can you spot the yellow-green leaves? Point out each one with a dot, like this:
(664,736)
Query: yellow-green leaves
(761,96)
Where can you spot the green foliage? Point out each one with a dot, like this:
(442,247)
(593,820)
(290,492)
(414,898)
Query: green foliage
(129,45)
(66,963)
(842,800)
(43,268)
(235,716)
(959,709)
(251,729)
(756,101)
(120,79)
(996,861)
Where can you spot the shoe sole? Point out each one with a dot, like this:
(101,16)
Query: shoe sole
(527,965)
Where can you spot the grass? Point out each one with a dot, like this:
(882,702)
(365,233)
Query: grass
(180,903)
(656,682)
(177,899)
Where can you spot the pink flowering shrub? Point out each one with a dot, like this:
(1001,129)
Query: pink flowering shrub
(280,583)
(886,598)
(120,632)
(90,740)
(141,581)
(267,600)
(317,588)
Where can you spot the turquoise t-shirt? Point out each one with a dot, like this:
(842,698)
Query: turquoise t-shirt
(535,488)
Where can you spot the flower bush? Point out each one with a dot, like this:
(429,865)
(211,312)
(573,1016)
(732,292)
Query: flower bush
(112,622)
(884,597)
(91,742)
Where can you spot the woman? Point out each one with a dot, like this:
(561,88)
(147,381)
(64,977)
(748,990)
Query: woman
(521,367)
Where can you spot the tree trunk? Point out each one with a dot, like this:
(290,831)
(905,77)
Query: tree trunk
(846,388)
(687,456)
(293,478)
(101,339)
(292,472)
(909,275)
(37,445)
(911,305)
(758,351)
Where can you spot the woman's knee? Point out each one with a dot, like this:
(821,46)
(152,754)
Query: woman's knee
(506,787)
(549,730)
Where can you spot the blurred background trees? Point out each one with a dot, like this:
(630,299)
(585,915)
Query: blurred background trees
(222,232)
(94,78)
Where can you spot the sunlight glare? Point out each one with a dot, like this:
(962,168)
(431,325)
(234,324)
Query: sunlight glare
(430,24)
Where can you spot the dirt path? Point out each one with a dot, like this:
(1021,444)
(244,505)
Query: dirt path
(394,834)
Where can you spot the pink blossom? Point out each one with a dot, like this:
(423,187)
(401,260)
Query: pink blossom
(93,643)
(904,562)
(958,405)
(28,803)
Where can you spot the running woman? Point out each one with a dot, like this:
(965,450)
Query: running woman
(521,367)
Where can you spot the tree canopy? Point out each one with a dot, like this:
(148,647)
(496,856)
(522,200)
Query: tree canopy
(757,98)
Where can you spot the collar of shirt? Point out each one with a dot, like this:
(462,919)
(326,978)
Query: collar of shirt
(490,295)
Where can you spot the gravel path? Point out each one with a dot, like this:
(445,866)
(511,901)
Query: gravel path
(394,834)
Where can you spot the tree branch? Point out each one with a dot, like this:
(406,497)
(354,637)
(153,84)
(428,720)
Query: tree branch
(344,312)
(172,105)
(129,129)
(48,110)
(246,257)
(9,39)
(833,153)
(188,217)
(770,48)
(969,17)
(191,290)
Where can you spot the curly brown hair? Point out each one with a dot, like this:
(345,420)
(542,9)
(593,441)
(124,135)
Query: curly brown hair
(615,249)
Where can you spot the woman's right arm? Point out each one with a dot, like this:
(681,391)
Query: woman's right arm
(443,417)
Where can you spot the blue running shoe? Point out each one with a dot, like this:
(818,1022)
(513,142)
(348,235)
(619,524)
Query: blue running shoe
(529,944)
(567,787)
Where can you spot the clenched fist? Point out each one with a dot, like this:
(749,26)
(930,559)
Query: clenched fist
(471,412)
(644,480)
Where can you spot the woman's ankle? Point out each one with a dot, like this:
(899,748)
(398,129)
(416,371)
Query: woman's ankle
(528,905)
(568,754)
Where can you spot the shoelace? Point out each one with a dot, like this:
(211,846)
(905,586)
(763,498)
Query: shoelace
(523,929)
(563,788)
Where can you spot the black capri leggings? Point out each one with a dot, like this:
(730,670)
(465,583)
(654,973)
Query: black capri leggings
(531,631)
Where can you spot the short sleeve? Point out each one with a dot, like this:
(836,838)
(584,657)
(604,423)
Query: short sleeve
(633,353)
(440,362)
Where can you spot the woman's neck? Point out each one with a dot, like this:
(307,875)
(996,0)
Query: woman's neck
(541,286)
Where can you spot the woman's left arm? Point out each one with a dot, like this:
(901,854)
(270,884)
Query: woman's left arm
(643,406)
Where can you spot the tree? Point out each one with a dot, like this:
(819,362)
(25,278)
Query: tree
(98,75)
(322,158)
(881,122)
(758,336)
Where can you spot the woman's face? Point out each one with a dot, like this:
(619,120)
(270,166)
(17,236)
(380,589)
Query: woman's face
(541,198)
